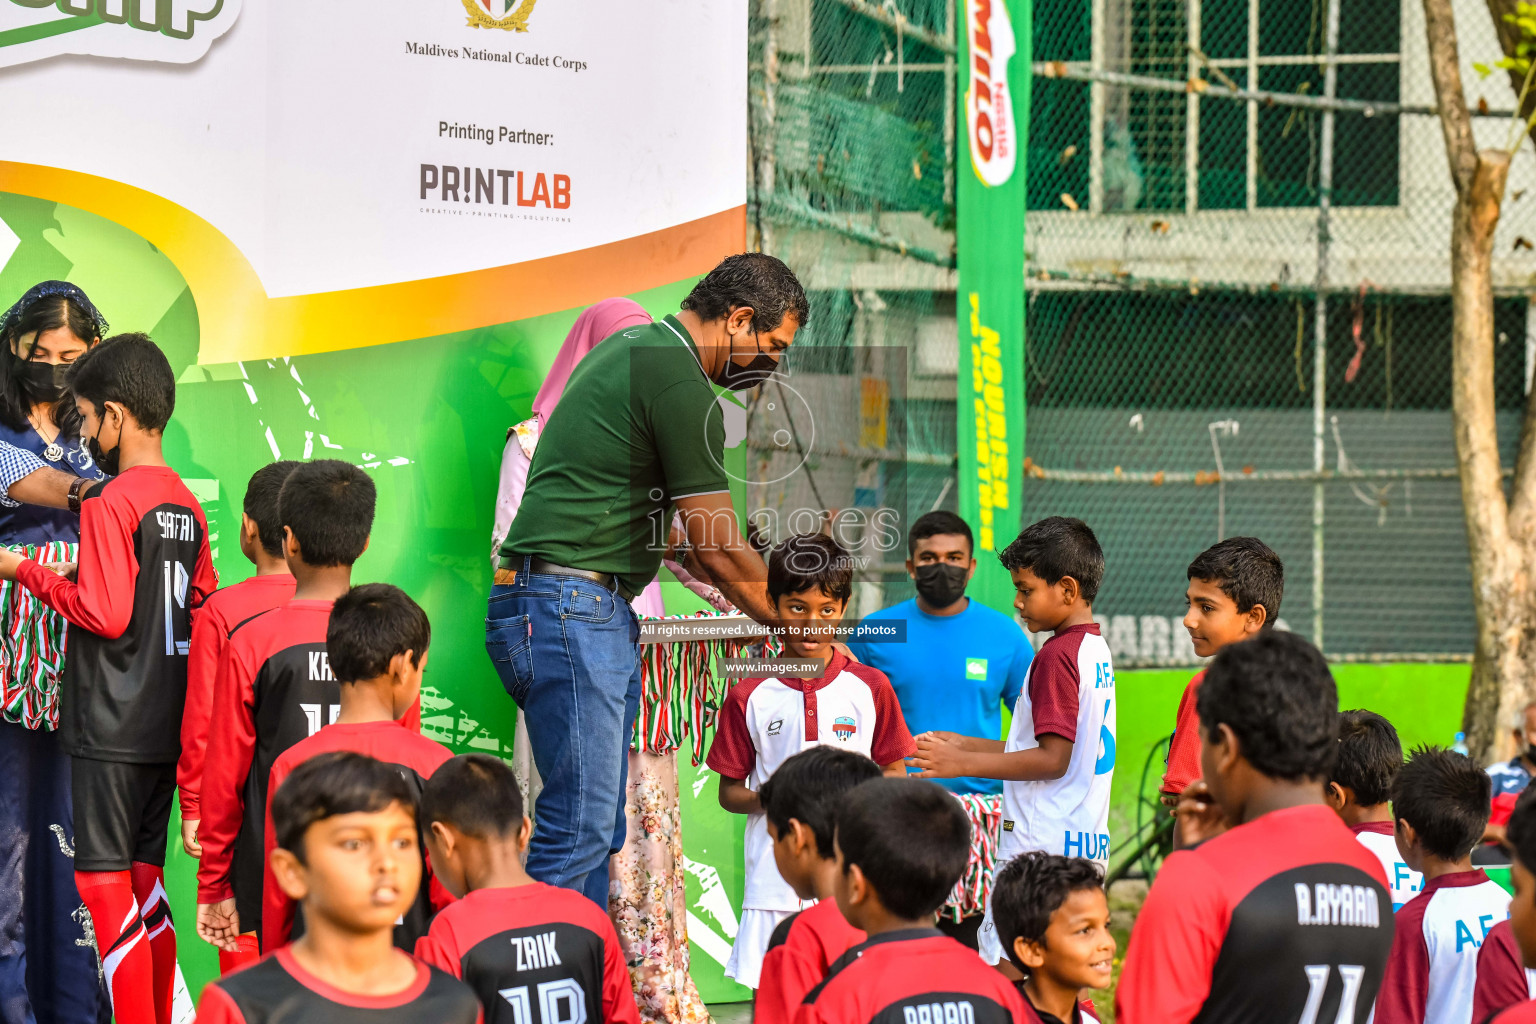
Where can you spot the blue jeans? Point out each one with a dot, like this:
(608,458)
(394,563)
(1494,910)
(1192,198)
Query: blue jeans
(567,651)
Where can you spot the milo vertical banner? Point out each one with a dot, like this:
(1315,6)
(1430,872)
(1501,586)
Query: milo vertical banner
(994,96)
(361,232)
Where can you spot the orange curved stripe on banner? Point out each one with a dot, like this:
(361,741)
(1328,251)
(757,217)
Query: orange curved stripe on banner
(239,321)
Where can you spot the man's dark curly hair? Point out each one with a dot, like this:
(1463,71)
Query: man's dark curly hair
(760,282)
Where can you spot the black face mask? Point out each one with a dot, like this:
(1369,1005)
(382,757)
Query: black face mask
(740,378)
(43,382)
(104,459)
(941,584)
(1530,754)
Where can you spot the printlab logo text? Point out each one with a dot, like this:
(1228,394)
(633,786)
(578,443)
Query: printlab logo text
(494,186)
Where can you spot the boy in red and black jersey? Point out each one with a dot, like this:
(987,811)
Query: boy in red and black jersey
(261,542)
(800,803)
(274,688)
(377,643)
(143,568)
(346,836)
(533,953)
(1279,914)
(901,847)
(1052,918)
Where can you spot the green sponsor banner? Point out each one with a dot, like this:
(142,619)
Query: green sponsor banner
(993,56)
(428,418)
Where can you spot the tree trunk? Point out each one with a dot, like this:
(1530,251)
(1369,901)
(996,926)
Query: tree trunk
(1501,533)
(1500,581)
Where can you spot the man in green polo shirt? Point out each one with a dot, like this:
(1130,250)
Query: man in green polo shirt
(638,434)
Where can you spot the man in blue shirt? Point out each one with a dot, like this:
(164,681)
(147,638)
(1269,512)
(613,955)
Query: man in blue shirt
(959,664)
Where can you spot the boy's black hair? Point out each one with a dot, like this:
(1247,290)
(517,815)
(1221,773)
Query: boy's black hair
(1275,693)
(370,624)
(1520,833)
(809,560)
(809,787)
(936,523)
(341,782)
(131,370)
(1247,571)
(476,794)
(1056,547)
(261,504)
(911,839)
(1030,888)
(1370,755)
(1446,797)
(756,280)
(328,504)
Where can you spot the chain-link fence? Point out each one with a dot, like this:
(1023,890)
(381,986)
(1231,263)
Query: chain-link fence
(1199,171)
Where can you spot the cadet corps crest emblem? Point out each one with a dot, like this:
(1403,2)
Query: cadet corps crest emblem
(511,15)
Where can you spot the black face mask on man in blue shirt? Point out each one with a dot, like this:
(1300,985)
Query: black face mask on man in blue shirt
(939,583)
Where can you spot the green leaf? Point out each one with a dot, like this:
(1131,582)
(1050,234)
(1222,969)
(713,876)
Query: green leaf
(1483,70)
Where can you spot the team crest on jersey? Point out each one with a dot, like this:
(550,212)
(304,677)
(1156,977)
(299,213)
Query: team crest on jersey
(844,727)
(774,726)
(511,15)
(976,668)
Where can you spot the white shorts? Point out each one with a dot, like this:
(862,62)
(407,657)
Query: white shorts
(987,942)
(752,936)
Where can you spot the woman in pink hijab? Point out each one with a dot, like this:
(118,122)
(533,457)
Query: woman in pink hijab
(595,323)
(646,898)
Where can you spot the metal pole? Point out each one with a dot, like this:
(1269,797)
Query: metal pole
(1320,343)
(949,106)
(770,9)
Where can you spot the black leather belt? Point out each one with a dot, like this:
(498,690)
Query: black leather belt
(541,567)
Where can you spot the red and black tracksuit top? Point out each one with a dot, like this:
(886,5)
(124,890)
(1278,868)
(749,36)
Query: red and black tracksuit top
(274,689)
(534,954)
(1281,917)
(912,976)
(224,612)
(277,990)
(416,757)
(143,568)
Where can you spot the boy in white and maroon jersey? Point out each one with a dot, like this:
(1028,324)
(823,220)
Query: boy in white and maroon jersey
(1059,757)
(765,721)
(1503,980)
(1370,755)
(1521,928)
(1440,800)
